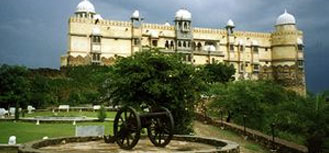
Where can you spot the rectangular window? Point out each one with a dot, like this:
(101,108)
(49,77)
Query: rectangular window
(255,49)
(300,47)
(136,41)
(300,63)
(256,68)
(96,58)
(189,58)
(154,43)
(241,48)
(96,39)
(231,47)
(241,67)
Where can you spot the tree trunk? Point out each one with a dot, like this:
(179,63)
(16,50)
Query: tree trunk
(228,119)
(16,111)
(314,144)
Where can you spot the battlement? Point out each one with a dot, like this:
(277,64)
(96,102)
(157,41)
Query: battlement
(287,33)
(252,34)
(209,30)
(101,22)
(158,26)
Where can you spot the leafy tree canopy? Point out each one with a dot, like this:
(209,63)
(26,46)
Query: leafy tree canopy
(216,72)
(14,86)
(156,79)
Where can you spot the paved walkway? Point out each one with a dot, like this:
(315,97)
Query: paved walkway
(211,131)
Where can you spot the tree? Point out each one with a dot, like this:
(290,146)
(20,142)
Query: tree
(14,87)
(216,72)
(254,100)
(212,75)
(40,91)
(308,117)
(156,79)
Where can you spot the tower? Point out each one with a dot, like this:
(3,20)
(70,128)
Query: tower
(136,31)
(183,30)
(287,54)
(85,9)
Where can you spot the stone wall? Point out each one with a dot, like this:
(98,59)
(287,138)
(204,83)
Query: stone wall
(280,145)
(220,146)
(8,148)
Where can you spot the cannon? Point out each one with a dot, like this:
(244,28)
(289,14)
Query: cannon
(128,125)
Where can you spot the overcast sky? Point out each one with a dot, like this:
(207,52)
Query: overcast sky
(33,32)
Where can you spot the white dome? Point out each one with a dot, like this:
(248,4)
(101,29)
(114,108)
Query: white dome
(210,48)
(98,16)
(85,6)
(154,34)
(183,14)
(240,42)
(230,23)
(96,31)
(135,15)
(254,43)
(285,19)
(300,41)
(167,24)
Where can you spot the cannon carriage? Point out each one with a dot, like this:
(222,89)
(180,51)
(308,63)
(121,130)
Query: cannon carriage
(128,125)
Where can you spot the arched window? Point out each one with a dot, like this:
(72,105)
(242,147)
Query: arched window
(193,45)
(185,25)
(184,44)
(172,45)
(179,44)
(167,44)
(199,46)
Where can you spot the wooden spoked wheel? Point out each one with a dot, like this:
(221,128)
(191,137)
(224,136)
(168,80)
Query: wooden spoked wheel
(160,130)
(127,126)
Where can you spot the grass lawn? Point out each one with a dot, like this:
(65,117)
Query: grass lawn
(25,131)
(70,114)
(212,131)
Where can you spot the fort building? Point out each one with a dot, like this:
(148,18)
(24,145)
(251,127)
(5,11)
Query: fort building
(278,55)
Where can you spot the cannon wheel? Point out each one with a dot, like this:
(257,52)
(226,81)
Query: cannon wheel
(161,129)
(127,126)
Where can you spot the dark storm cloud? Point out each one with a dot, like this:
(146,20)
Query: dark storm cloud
(33,32)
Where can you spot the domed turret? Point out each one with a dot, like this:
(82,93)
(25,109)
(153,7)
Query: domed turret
(167,24)
(85,6)
(135,15)
(98,16)
(240,42)
(300,41)
(154,34)
(254,43)
(96,31)
(230,26)
(285,19)
(209,48)
(183,14)
(230,23)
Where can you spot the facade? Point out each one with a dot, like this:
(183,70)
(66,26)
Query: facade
(255,55)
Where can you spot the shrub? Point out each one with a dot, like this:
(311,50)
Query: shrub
(102,114)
